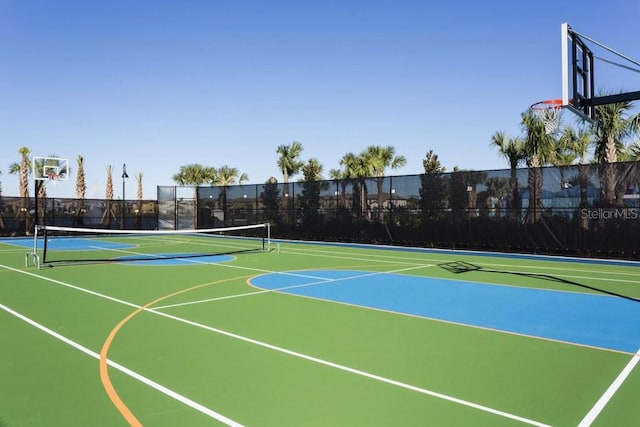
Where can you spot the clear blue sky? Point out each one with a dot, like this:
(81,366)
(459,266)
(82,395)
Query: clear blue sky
(160,84)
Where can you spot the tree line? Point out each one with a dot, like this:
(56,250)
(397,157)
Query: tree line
(536,147)
(612,137)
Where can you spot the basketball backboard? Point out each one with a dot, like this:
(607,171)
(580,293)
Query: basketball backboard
(50,168)
(581,93)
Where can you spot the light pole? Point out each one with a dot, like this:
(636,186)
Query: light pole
(124,176)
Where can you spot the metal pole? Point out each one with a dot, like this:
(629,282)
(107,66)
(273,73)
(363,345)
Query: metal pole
(124,176)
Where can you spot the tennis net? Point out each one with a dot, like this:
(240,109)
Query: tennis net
(53,244)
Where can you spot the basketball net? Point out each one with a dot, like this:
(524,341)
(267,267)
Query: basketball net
(549,113)
(53,178)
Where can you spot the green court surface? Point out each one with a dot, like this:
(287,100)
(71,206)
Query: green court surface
(189,330)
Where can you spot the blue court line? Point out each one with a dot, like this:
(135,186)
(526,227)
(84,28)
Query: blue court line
(594,320)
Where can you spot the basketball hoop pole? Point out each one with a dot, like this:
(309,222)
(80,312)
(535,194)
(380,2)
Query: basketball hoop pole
(36,188)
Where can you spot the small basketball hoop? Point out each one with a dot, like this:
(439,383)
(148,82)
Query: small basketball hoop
(549,113)
(50,169)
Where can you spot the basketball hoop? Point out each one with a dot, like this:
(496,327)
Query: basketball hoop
(549,113)
(53,177)
(50,169)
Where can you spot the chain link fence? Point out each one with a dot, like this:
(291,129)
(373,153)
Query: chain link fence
(580,210)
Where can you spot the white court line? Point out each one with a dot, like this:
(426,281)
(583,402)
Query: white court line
(608,394)
(177,396)
(285,351)
(320,281)
(195,261)
(353,370)
(414,260)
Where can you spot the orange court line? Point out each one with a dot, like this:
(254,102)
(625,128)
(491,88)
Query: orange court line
(104,372)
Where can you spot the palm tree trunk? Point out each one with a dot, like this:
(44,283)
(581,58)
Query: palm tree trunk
(109,214)
(610,177)
(41,194)
(363,199)
(380,207)
(79,221)
(583,180)
(534,181)
(285,197)
(138,218)
(514,196)
(609,184)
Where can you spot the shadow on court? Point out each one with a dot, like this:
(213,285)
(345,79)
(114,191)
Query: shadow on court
(459,267)
(154,259)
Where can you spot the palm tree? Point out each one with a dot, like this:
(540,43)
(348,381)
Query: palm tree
(611,128)
(81,185)
(463,190)
(228,176)
(139,196)
(81,190)
(562,158)
(433,194)
(109,213)
(497,187)
(289,164)
(382,158)
(539,149)
(357,168)
(512,149)
(312,170)
(23,169)
(196,175)
(139,192)
(631,152)
(309,202)
(340,177)
(578,145)
(270,200)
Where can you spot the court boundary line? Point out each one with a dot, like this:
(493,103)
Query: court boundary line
(423,251)
(104,371)
(358,372)
(283,290)
(354,371)
(141,378)
(324,254)
(599,406)
(463,252)
(610,391)
(320,281)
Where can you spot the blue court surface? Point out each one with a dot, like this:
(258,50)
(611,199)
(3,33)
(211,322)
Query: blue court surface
(601,321)
(156,259)
(67,243)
